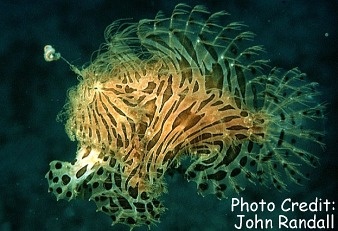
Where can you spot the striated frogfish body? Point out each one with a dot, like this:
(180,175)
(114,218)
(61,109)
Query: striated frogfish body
(182,87)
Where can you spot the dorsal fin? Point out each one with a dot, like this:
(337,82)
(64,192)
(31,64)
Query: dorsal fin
(193,38)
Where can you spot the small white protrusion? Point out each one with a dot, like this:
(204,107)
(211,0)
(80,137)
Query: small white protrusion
(50,54)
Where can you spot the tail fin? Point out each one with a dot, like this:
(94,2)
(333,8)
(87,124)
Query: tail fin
(295,124)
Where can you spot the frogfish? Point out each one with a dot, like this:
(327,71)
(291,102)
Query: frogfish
(183,88)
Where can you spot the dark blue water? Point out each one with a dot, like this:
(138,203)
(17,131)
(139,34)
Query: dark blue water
(32,92)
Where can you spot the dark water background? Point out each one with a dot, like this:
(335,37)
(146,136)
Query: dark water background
(295,33)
